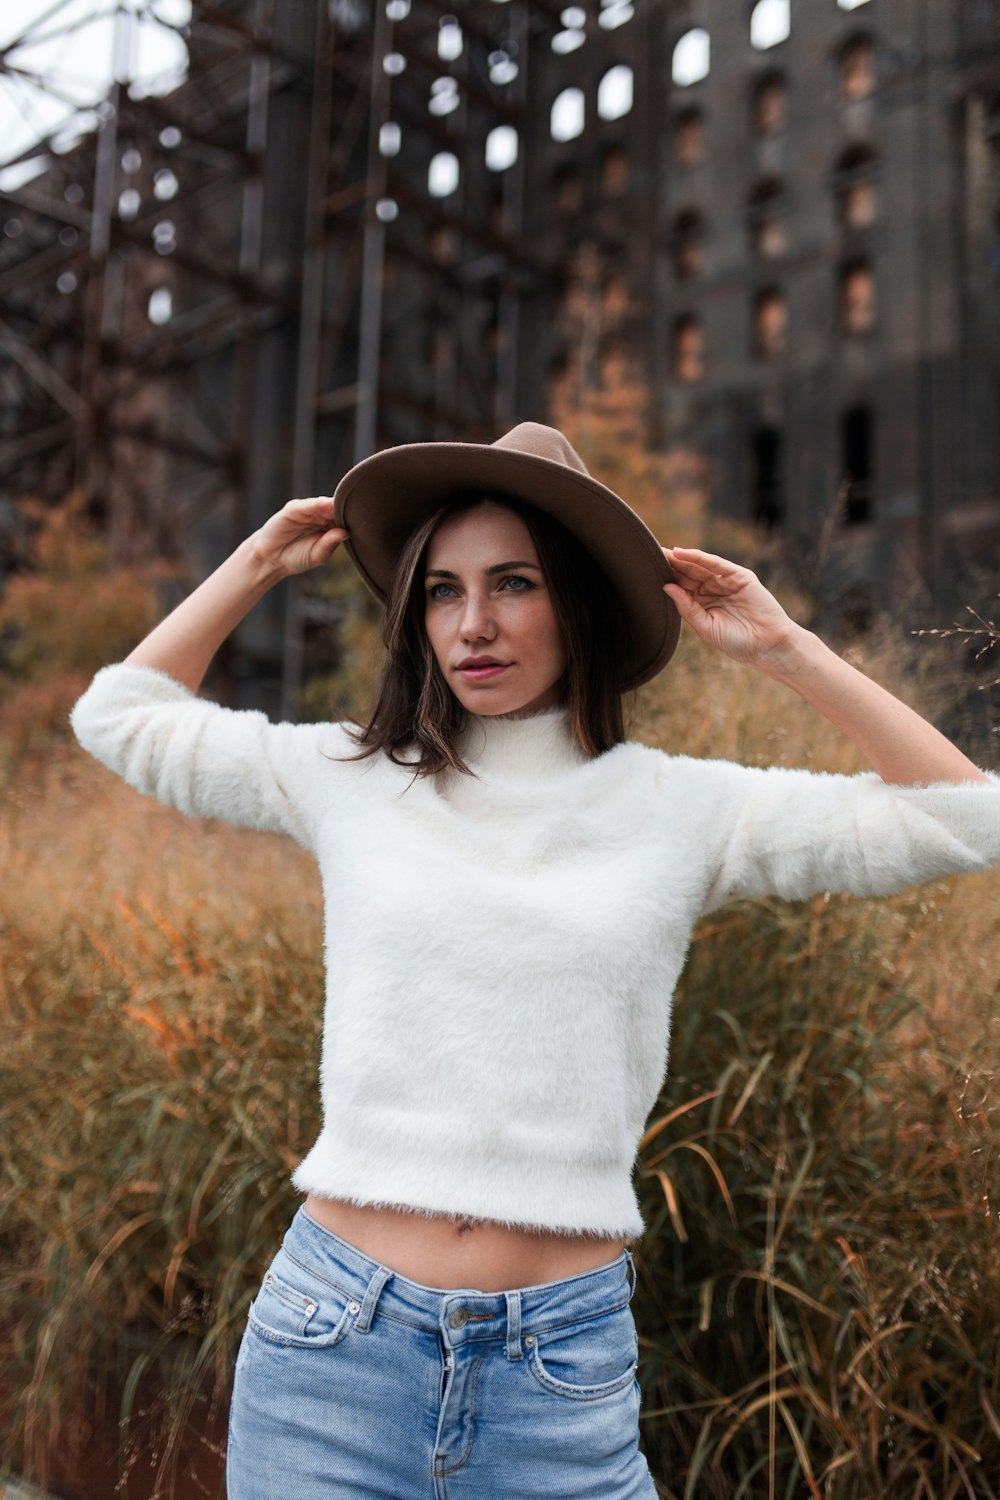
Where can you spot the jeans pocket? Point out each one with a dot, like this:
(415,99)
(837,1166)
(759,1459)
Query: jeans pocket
(297,1308)
(586,1361)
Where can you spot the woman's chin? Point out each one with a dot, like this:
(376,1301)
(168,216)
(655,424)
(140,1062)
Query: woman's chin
(487,703)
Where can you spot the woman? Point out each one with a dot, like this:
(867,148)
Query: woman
(509,893)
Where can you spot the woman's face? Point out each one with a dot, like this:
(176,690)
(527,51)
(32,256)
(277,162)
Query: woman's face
(489,616)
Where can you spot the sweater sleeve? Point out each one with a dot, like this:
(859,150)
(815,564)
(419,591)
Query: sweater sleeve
(795,833)
(206,760)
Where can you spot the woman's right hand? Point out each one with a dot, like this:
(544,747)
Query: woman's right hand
(298,537)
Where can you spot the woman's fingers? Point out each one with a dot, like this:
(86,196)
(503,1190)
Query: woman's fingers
(693,556)
(313,514)
(300,535)
(316,511)
(314,502)
(711,576)
(688,606)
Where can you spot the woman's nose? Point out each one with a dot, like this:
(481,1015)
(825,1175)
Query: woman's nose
(477,620)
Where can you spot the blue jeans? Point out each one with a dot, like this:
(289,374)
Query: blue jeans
(355,1383)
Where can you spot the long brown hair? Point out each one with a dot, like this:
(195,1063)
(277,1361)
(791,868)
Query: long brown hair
(413,704)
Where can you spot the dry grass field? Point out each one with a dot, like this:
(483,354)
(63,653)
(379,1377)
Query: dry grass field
(820,1281)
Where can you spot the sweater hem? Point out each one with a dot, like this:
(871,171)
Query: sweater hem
(395,1190)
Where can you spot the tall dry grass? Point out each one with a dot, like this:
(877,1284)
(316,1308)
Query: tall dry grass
(820,1280)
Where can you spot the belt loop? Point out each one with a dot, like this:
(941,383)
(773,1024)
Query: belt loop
(363,1321)
(513,1324)
(630,1268)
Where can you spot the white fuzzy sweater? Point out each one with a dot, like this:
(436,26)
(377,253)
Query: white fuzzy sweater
(501,952)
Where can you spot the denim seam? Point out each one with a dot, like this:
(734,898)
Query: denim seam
(578,1392)
(473,1391)
(312,1271)
(527,1326)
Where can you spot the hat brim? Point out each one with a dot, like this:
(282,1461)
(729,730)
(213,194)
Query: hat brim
(384,498)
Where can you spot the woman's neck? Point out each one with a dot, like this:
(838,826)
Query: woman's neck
(521,744)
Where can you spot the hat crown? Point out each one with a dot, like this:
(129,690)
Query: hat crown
(540,441)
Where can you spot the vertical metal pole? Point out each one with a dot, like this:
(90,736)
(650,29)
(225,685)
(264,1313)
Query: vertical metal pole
(85,468)
(925,286)
(509,313)
(373,250)
(250,253)
(310,328)
(245,352)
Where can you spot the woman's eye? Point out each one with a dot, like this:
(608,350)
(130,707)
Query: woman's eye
(516,578)
(433,590)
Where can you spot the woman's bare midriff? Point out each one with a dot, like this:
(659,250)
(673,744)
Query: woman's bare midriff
(447,1251)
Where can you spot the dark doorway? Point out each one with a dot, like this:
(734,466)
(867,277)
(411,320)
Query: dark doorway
(767,500)
(856,442)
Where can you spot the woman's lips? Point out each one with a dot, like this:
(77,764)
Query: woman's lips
(478,674)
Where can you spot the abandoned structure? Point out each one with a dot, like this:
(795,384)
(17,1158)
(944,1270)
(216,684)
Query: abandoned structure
(355,224)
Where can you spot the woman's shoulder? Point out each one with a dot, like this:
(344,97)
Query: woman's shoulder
(681,771)
(661,762)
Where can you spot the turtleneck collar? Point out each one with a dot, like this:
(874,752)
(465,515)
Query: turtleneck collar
(530,746)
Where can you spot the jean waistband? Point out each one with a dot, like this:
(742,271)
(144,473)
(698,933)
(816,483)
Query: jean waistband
(465,1313)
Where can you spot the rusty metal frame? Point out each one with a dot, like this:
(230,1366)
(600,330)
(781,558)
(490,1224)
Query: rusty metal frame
(98,397)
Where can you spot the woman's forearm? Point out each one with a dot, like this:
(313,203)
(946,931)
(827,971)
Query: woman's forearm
(183,644)
(902,747)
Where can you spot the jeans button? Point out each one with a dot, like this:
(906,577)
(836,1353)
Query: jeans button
(457,1318)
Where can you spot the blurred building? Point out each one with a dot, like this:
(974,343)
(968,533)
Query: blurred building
(359,224)
(826,300)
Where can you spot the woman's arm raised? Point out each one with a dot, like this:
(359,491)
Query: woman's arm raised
(728,606)
(142,717)
(298,537)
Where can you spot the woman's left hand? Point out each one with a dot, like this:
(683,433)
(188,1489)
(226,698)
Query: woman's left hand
(727,605)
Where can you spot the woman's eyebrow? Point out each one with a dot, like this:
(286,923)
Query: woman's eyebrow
(496,568)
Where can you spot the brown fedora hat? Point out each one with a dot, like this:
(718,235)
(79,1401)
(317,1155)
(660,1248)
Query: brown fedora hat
(384,498)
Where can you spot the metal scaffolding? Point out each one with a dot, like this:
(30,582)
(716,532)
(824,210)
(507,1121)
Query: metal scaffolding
(229,293)
(358,223)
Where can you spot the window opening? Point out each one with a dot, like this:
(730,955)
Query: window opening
(614,170)
(857,298)
(688,244)
(390,138)
(615,13)
(501,148)
(857,69)
(449,39)
(691,57)
(767,220)
(770,107)
(442,174)
(444,96)
(614,93)
(689,138)
(160,308)
(770,23)
(567,188)
(615,300)
(770,323)
(688,349)
(859,205)
(503,68)
(443,244)
(856,191)
(566,119)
